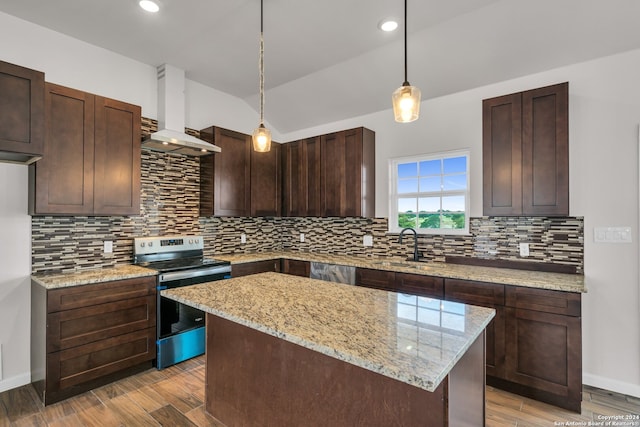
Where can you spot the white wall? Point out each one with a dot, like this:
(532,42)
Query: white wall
(15,269)
(604,117)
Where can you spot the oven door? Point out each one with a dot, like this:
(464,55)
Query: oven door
(180,328)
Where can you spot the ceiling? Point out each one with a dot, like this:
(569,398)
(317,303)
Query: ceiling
(326,60)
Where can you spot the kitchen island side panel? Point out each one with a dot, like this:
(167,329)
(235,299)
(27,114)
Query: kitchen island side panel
(253,376)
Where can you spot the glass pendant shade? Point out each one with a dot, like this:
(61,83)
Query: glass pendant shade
(406,103)
(261,139)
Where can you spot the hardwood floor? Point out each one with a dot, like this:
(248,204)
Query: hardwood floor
(175,397)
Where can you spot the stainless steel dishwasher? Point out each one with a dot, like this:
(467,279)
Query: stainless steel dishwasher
(333,273)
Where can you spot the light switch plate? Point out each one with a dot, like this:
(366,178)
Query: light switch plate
(301,237)
(108,246)
(243,238)
(524,249)
(367,240)
(612,235)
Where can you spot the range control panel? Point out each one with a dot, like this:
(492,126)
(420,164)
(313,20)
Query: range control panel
(162,244)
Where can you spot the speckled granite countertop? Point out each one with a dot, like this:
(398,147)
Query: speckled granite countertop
(370,328)
(53,281)
(506,276)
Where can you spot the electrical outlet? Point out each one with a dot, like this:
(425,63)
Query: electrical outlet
(524,249)
(108,246)
(367,240)
(301,237)
(243,238)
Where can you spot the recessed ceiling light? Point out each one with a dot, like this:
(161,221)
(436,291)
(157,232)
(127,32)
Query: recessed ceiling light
(149,5)
(388,24)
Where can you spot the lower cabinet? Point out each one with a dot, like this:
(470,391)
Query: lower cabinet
(534,343)
(86,336)
(295,267)
(378,279)
(247,268)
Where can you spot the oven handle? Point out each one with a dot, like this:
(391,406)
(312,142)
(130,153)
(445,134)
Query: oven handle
(177,275)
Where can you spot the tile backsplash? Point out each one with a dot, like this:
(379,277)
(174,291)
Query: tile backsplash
(169,205)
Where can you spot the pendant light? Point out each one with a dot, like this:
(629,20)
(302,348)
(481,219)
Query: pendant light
(406,99)
(262,135)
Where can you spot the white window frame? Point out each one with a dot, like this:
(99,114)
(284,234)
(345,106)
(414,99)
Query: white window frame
(394,196)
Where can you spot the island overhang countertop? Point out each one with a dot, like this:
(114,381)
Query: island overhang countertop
(411,339)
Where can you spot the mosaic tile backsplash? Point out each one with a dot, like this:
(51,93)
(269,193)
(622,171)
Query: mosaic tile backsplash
(169,205)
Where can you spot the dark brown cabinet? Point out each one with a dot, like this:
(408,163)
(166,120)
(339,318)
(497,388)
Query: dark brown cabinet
(21,113)
(238,181)
(378,279)
(534,343)
(226,185)
(266,179)
(418,284)
(301,178)
(526,153)
(485,295)
(348,173)
(247,268)
(543,344)
(86,336)
(295,267)
(91,163)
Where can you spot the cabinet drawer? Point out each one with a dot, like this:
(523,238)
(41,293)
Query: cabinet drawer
(557,302)
(71,328)
(479,293)
(74,366)
(88,295)
(417,284)
(296,268)
(245,269)
(378,279)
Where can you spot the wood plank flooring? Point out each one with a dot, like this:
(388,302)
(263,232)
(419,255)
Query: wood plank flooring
(175,397)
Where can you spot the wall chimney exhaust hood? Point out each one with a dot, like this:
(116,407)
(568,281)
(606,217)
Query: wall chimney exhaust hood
(171,138)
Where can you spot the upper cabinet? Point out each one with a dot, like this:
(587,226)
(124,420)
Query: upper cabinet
(328,175)
(21,113)
(238,181)
(348,173)
(526,153)
(91,163)
(301,178)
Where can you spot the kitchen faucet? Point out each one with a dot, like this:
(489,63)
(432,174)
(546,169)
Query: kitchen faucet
(416,256)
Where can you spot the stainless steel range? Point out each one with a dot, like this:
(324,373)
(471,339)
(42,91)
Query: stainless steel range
(179,261)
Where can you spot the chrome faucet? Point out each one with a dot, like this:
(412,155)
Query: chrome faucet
(416,254)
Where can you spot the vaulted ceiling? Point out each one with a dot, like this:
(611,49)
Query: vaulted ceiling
(326,60)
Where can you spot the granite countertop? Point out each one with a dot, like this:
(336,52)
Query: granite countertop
(54,281)
(533,279)
(374,329)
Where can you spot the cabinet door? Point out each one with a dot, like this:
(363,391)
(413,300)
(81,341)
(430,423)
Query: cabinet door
(545,151)
(489,295)
(377,279)
(231,172)
(502,155)
(117,158)
(21,110)
(348,173)
(301,180)
(64,177)
(544,352)
(266,184)
(245,269)
(296,268)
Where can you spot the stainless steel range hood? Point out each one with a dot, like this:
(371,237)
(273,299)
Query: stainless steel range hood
(171,137)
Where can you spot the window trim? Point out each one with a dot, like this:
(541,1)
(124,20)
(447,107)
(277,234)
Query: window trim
(393,191)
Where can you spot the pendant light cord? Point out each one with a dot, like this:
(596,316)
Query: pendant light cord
(261,63)
(406,83)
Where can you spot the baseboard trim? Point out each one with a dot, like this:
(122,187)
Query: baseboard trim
(14,382)
(611,385)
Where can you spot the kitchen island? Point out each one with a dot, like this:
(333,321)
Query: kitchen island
(285,350)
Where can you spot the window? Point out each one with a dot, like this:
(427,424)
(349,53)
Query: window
(430,193)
